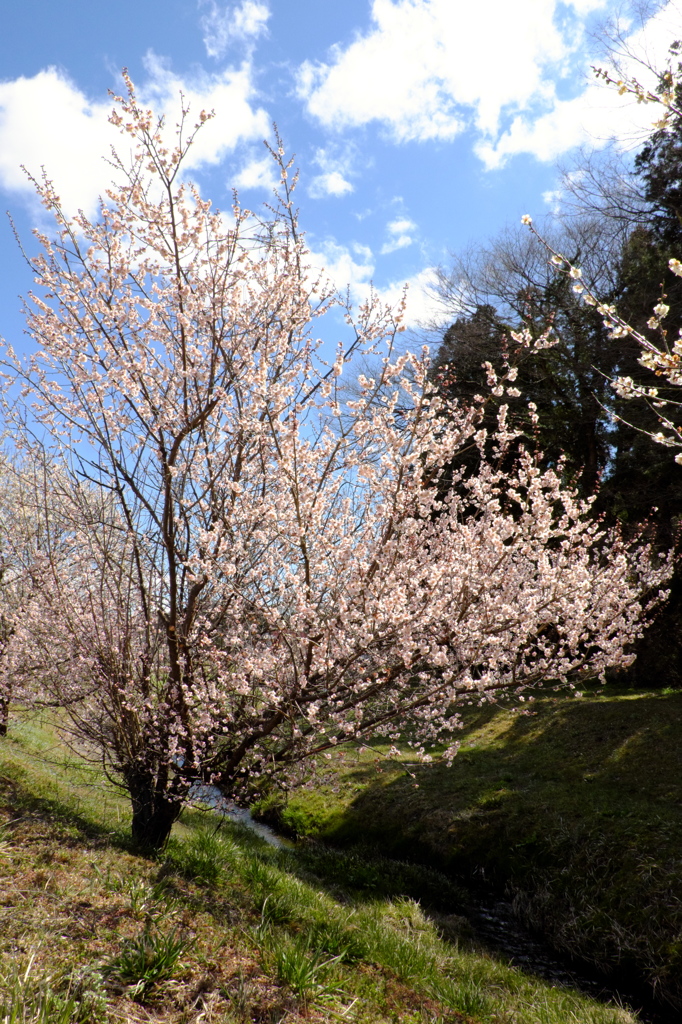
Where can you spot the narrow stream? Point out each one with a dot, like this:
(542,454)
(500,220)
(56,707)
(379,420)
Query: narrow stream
(207,795)
(493,925)
(498,930)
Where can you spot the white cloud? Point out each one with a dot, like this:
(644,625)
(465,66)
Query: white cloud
(336,167)
(425,65)
(399,242)
(598,114)
(400,237)
(400,226)
(421,306)
(250,18)
(47,121)
(552,198)
(332,183)
(224,25)
(340,265)
(515,72)
(353,268)
(229,94)
(257,174)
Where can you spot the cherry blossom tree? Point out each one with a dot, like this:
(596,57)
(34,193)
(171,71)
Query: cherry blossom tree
(254,564)
(23,539)
(660,353)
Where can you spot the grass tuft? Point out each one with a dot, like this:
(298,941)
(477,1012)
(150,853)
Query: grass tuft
(149,958)
(29,998)
(305,971)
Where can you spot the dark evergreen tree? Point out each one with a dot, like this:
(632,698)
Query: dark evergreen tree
(645,484)
(568,383)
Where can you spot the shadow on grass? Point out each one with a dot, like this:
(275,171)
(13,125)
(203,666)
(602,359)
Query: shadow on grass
(234,888)
(42,780)
(601,760)
(573,808)
(76,827)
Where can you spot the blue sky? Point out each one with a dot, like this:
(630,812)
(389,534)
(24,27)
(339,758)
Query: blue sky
(420,126)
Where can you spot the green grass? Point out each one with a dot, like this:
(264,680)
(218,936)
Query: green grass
(147,959)
(573,807)
(29,999)
(222,927)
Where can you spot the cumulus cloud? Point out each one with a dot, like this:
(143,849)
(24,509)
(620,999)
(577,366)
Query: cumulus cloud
(348,268)
(331,183)
(419,289)
(335,165)
(353,268)
(399,235)
(598,114)
(257,173)
(514,72)
(229,93)
(226,24)
(48,121)
(426,65)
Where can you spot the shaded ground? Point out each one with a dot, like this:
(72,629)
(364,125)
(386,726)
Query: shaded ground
(571,807)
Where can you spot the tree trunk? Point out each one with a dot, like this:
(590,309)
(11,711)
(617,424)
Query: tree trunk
(153,812)
(4,715)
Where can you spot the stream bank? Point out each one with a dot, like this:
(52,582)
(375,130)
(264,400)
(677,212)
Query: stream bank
(490,922)
(567,814)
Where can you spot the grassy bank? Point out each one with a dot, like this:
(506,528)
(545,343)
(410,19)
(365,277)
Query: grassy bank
(221,927)
(571,806)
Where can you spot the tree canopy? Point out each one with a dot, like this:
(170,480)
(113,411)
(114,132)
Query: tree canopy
(252,566)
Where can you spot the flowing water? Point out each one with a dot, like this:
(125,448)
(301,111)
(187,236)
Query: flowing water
(211,796)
